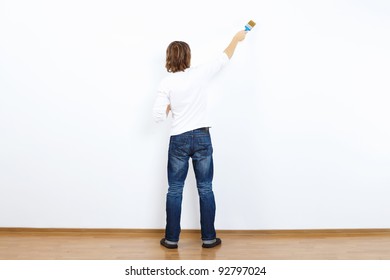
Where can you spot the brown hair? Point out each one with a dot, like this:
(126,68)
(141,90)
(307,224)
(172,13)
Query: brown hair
(178,56)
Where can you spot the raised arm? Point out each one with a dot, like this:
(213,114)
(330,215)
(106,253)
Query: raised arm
(240,36)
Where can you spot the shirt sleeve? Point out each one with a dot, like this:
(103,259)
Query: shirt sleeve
(160,104)
(209,70)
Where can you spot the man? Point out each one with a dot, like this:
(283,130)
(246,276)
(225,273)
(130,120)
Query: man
(182,93)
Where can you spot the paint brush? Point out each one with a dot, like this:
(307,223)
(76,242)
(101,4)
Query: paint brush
(250,25)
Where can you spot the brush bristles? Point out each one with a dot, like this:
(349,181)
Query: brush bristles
(251,23)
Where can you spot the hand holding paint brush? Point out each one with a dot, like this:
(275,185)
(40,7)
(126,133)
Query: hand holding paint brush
(240,36)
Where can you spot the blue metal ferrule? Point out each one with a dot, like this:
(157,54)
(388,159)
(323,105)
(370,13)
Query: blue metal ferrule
(247,28)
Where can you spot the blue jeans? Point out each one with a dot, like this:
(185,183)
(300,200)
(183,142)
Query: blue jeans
(197,145)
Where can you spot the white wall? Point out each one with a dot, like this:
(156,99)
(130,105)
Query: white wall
(301,116)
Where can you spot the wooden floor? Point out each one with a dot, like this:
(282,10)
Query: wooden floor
(144,245)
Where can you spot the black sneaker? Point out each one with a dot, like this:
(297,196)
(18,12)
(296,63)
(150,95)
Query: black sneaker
(217,242)
(166,245)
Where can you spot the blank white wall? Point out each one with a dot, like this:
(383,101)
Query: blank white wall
(301,119)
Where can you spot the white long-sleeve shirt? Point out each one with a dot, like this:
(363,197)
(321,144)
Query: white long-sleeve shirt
(184,92)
